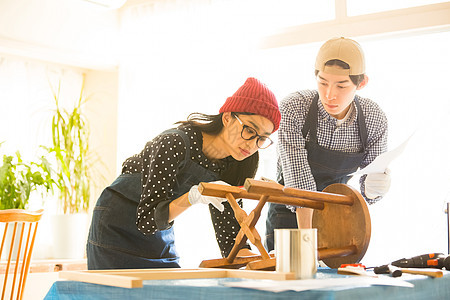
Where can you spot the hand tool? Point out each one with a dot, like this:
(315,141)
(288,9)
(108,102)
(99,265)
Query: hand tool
(397,271)
(416,265)
(388,269)
(430,260)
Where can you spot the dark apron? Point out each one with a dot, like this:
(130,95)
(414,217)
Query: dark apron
(327,167)
(114,241)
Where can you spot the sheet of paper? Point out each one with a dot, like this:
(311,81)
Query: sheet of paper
(313,284)
(381,162)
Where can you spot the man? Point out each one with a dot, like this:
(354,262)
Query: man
(328,133)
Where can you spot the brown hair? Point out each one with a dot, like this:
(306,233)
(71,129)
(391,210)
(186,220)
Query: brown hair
(356,79)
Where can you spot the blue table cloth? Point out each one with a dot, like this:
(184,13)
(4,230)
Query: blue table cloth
(212,289)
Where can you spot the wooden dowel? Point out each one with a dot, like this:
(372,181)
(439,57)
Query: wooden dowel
(319,196)
(296,202)
(324,253)
(276,189)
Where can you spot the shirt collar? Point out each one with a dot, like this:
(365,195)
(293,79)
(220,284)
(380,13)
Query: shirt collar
(324,115)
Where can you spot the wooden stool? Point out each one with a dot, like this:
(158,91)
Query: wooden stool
(340,216)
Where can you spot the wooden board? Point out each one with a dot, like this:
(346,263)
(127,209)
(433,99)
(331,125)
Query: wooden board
(339,226)
(133,278)
(219,190)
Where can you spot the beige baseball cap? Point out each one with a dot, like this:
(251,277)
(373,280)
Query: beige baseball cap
(344,49)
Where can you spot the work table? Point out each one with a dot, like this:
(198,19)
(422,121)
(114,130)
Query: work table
(216,288)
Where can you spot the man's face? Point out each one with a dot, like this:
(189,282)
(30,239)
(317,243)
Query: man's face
(336,93)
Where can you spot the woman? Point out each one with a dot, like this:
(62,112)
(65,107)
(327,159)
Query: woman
(132,220)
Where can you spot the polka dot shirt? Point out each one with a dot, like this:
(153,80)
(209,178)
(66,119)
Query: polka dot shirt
(158,162)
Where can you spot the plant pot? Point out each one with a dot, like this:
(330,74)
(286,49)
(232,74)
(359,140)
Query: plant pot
(69,234)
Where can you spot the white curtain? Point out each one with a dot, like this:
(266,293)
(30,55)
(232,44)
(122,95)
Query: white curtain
(26,102)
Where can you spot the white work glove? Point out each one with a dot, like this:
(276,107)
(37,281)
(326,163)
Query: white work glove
(194,197)
(377,184)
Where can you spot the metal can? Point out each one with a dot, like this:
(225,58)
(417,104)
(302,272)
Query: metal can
(296,252)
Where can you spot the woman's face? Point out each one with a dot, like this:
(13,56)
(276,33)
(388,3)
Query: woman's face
(238,147)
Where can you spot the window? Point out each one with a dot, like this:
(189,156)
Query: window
(358,7)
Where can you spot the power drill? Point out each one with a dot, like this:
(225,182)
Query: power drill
(431,260)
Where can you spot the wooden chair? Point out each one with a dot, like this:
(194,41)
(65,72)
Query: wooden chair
(23,225)
(340,215)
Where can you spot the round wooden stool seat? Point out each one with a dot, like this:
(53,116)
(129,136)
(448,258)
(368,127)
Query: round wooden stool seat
(340,226)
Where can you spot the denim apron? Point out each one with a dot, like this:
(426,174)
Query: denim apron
(327,167)
(114,242)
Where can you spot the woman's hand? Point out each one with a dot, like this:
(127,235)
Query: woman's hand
(194,197)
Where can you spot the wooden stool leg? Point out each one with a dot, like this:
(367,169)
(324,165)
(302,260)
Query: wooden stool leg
(253,219)
(241,238)
(249,223)
(248,230)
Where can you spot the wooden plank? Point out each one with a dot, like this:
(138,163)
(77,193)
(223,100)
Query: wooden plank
(264,264)
(219,190)
(102,278)
(250,274)
(269,188)
(133,278)
(238,262)
(275,189)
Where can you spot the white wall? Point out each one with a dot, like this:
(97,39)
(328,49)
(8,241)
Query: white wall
(42,42)
(72,32)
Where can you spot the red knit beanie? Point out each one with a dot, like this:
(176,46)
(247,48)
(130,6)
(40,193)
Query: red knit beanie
(254,97)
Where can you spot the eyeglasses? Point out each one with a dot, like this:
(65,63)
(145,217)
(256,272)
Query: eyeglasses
(249,133)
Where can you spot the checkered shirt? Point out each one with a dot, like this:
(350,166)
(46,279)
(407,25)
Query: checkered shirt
(292,155)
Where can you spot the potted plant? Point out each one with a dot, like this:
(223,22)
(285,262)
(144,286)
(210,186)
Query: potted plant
(70,146)
(73,176)
(18,181)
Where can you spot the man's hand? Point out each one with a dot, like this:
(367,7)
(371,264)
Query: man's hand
(377,184)
(194,197)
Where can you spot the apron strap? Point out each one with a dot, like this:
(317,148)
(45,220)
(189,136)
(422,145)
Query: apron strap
(362,125)
(311,122)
